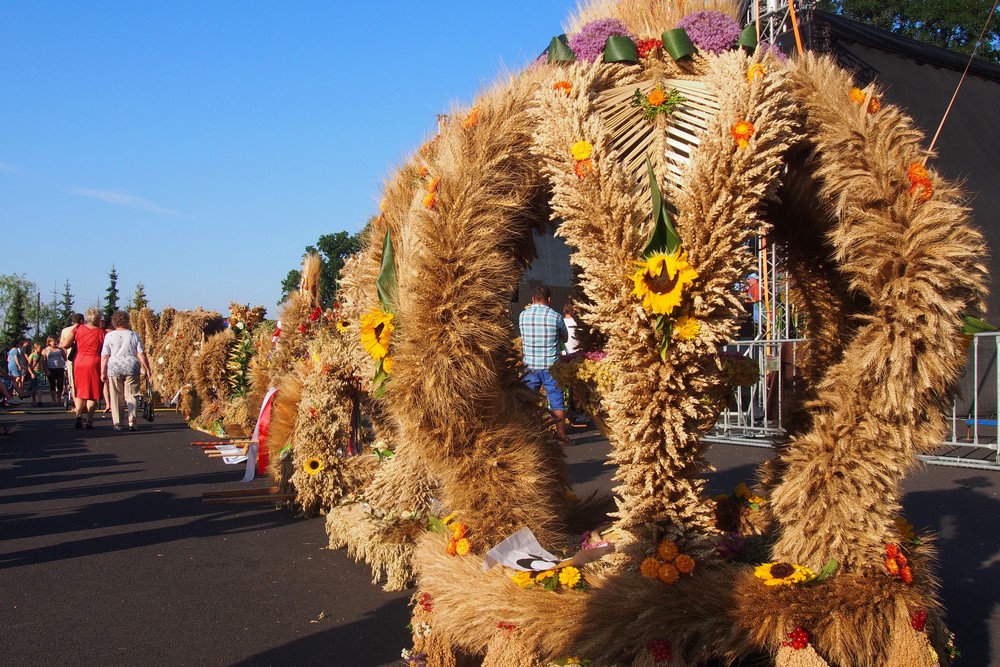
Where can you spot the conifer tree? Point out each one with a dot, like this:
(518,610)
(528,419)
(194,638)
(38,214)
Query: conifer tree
(111,300)
(16,323)
(139,301)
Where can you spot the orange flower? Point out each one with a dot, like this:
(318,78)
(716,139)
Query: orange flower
(857,96)
(657,97)
(874,104)
(432,187)
(922,190)
(649,567)
(472,119)
(684,564)
(452,545)
(423,171)
(459,530)
(892,566)
(906,574)
(667,550)
(742,131)
(583,167)
(756,71)
(462,547)
(564,86)
(917,172)
(429,200)
(668,574)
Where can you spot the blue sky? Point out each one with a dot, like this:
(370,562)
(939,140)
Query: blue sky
(200,146)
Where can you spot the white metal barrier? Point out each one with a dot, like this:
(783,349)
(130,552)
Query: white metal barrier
(755,414)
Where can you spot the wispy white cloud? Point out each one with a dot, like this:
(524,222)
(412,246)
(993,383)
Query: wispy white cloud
(122,199)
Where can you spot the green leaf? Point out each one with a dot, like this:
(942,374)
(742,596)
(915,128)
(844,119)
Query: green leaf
(381,380)
(386,283)
(973,325)
(828,569)
(551,583)
(668,328)
(559,51)
(663,237)
(435,524)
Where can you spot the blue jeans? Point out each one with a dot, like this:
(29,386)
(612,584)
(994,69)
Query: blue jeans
(542,378)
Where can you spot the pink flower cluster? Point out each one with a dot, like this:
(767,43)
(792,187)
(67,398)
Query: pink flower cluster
(588,44)
(711,30)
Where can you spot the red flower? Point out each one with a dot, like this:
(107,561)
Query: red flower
(315,314)
(302,328)
(918,620)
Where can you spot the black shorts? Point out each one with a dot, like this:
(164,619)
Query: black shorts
(57,379)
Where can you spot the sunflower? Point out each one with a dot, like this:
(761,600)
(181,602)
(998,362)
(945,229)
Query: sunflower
(313,466)
(376,329)
(783,574)
(581,150)
(569,576)
(686,328)
(661,279)
(343,325)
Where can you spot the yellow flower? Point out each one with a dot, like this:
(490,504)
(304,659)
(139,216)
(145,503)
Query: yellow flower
(523,579)
(756,71)
(565,86)
(783,574)
(569,576)
(459,530)
(343,325)
(742,131)
(661,279)
(686,328)
(430,199)
(376,329)
(857,95)
(387,364)
(313,465)
(472,119)
(581,150)
(542,576)
(462,547)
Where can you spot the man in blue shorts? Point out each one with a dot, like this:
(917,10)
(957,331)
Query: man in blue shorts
(542,329)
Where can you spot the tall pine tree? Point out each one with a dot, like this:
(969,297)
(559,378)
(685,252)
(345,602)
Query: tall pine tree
(111,300)
(139,301)
(66,305)
(16,323)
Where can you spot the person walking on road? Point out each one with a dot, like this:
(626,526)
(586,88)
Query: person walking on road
(89,339)
(122,356)
(55,364)
(542,329)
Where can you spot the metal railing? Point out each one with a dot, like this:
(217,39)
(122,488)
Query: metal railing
(755,414)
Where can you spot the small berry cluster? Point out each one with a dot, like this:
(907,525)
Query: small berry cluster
(897,564)
(918,620)
(660,649)
(797,639)
(504,625)
(426,602)
(647,46)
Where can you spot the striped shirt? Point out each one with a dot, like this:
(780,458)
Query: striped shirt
(541,331)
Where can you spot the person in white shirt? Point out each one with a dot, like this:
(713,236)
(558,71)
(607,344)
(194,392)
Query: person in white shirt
(569,319)
(121,359)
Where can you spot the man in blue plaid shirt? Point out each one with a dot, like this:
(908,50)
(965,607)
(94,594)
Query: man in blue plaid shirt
(542,329)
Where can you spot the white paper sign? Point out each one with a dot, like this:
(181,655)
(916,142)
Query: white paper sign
(521,551)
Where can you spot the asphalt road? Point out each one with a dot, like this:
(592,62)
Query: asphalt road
(108,555)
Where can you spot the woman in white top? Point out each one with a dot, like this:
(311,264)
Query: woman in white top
(55,364)
(572,344)
(121,359)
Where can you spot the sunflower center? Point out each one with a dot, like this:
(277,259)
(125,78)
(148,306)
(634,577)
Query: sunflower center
(781,570)
(379,328)
(661,284)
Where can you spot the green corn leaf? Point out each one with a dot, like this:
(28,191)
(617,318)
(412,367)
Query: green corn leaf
(973,325)
(663,237)
(386,283)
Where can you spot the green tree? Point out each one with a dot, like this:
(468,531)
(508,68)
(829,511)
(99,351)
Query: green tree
(66,305)
(15,322)
(139,301)
(14,284)
(333,250)
(951,24)
(111,300)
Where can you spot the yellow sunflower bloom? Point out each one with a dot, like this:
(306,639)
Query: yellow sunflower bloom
(661,279)
(783,574)
(313,465)
(569,576)
(581,150)
(376,329)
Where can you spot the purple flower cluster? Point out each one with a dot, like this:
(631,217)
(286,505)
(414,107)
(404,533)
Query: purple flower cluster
(711,30)
(588,44)
(766,47)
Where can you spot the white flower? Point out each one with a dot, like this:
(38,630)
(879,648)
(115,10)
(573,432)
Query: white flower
(160,360)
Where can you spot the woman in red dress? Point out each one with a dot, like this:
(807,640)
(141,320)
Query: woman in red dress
(87,366)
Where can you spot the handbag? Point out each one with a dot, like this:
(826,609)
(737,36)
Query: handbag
(147,405)
(71,352)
